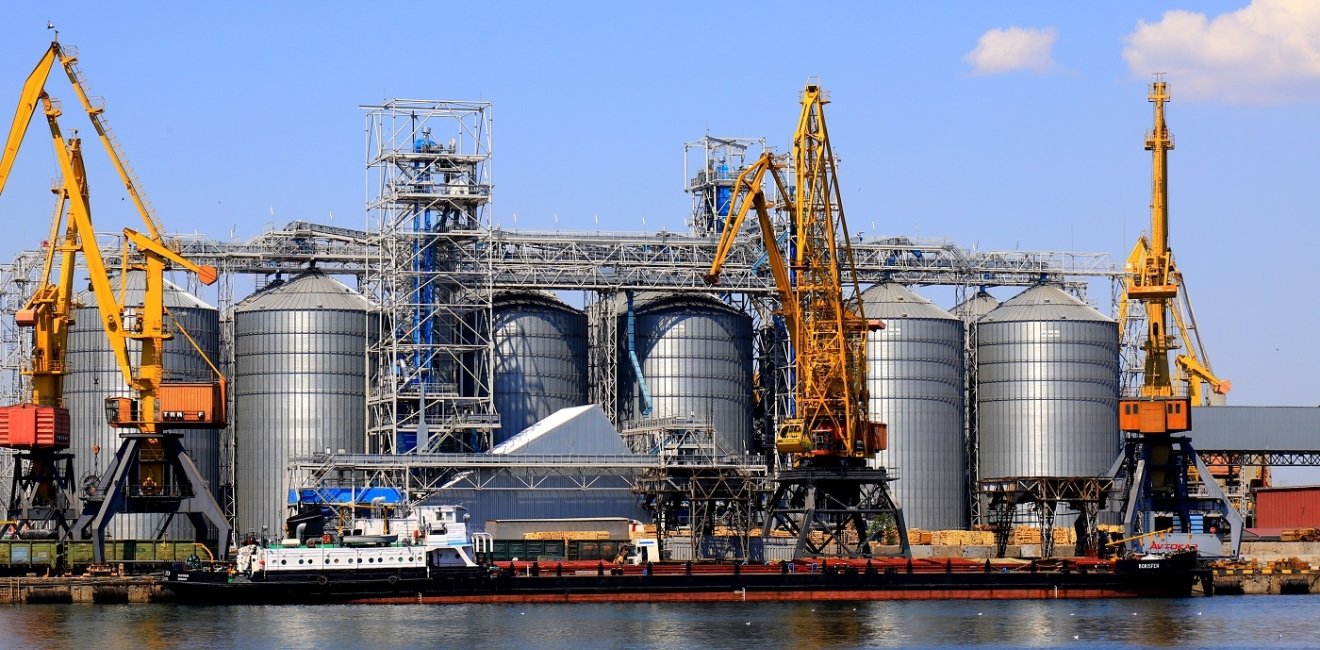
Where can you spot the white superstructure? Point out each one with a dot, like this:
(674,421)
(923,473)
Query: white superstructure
(430,537)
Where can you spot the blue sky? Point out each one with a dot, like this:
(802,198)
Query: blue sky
(239,116)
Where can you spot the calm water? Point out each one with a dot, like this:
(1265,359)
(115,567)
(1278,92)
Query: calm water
(1219,622)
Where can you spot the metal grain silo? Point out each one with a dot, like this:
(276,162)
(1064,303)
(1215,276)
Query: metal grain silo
(299,387)
(1047,387)
(540,359)
(915,378)
(694,354)
(94,375)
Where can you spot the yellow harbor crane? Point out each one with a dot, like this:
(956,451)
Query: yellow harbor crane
(1168,391)
(830,490)
(1157,464)
(151,471)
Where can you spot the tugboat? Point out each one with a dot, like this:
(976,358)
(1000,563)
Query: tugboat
(379,557)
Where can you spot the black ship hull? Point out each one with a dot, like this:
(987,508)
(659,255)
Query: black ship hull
(1167,577)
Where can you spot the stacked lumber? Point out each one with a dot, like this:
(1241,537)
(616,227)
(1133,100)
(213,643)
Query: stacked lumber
(1024,535)
(1290,564)
(568,535)
(1300,535)
(963,538)
(726,531)
(919,537)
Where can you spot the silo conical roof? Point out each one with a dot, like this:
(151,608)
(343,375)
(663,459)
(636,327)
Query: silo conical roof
(972,309)
(891,300)
(654,300)
(174,296)
(309,290)
(529,297)
(1044,302)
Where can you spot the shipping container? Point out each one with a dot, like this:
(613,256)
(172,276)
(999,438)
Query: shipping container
(1288,507)
(27,426)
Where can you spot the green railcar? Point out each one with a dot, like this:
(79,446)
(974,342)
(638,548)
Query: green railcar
(137,556)
(18,555)
(527,549)
(606,550)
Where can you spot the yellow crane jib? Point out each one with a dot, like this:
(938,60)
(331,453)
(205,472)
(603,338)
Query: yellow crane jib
(827,335)
(1170,387)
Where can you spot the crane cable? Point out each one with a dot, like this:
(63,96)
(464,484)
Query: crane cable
(183,330)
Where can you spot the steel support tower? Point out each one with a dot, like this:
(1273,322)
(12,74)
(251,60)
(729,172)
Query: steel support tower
(428,212)
(710,166)
(697,488)
(1086,495)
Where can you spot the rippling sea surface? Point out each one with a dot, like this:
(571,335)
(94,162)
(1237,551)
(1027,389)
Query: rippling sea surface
(1218,622)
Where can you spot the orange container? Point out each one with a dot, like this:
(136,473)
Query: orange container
(192,404)
(28,426)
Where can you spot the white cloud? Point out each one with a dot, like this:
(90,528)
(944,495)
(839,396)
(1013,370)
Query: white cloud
(1013,48)
(1266,52)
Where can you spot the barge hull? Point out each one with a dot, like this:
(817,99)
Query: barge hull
(505,587)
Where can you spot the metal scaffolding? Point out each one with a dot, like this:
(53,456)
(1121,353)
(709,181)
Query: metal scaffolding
(695,487)
(1086,495)
(710,166)
(428,197)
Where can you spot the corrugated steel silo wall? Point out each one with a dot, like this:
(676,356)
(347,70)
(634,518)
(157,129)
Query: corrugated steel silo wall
(299,389)
(540,362)
(94,375)
(1047,396)
(696,360)
(915,377)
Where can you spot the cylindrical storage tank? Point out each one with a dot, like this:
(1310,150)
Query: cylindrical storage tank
(695,355)
(1047,387)
(915,379)
(540,359)
(94,375)
(299,388)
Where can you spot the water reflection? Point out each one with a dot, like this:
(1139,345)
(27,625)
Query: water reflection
(1227,622)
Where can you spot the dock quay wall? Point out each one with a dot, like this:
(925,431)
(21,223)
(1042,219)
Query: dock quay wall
(98,590)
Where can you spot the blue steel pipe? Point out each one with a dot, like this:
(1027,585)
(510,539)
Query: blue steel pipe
(632,357)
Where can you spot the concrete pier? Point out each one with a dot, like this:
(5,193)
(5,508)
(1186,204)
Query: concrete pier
(100,590)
